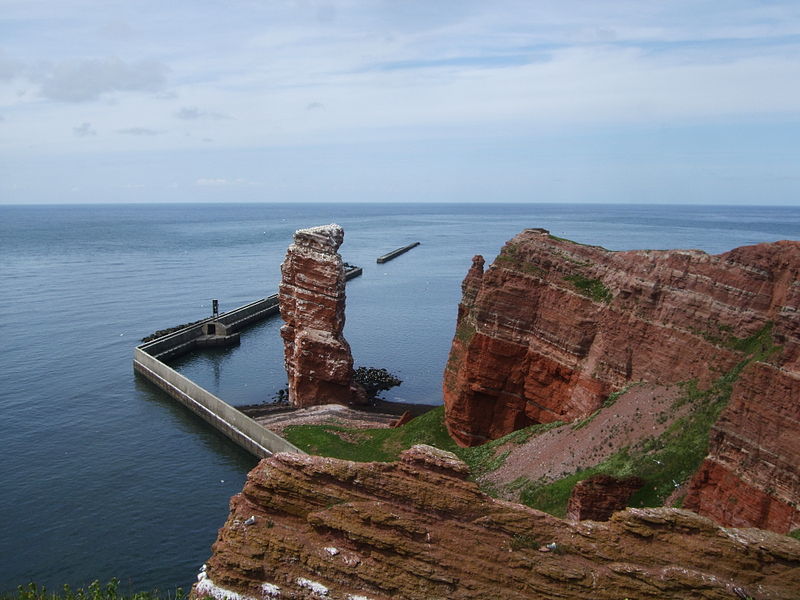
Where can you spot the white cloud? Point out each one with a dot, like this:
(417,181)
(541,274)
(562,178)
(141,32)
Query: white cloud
(85,129)
(139,131)
(9,67)
(192,113)
(247,77)
(89,79)
(220,181)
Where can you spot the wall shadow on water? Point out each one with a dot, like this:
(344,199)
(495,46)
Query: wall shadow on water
(189,423)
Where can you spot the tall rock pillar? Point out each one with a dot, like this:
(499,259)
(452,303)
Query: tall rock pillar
(318,361)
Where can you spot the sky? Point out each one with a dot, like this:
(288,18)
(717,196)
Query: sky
(633,101)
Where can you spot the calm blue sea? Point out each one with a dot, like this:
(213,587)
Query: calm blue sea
(103,476)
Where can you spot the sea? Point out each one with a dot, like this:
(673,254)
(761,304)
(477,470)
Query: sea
(102,475)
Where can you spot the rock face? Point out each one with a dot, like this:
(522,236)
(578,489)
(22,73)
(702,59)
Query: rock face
(552,327)
(597,498)
(318,361)
(751,476)
(312,527)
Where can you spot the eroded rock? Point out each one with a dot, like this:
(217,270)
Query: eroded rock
(600,496)
(319,364)
(417,530)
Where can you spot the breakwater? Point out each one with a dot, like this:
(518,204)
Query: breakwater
(395,253)
(237,426)
(148,361)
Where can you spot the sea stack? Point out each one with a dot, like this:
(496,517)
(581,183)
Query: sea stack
(318,361)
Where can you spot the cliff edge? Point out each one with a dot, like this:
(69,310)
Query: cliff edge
(553,327)
(416,529)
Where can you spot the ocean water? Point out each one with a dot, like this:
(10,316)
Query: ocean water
(104,476)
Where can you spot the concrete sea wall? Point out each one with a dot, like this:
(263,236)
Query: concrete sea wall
(148,361)
(222,416)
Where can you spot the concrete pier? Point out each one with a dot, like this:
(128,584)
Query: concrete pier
(396,253)
(148,361)
(240,428)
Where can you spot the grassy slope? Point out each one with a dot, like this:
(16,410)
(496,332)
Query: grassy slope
(366,445)
(663,462)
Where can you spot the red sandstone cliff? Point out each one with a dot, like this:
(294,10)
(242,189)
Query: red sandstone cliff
(318,361)
(600,496)
(312,527)
(552,327)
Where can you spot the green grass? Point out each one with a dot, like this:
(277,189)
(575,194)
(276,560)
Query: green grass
(614,396)
(94,591)
(365,445)
(795,534)
(561,239)
(666,460)
(465,331)
(591,288)
(722,336)
(584,422)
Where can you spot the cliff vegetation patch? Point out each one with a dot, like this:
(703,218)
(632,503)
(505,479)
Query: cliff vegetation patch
(591,288)
(385,445)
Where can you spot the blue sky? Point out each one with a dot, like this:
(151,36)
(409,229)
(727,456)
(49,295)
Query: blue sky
(403,100)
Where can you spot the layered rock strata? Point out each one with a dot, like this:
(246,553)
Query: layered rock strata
(600,496)
(751,476)
(319,364)
(552,327)
(312,527)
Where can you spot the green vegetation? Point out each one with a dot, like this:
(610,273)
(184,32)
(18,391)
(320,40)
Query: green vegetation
(465,331)
(95,591)
(584,422)
(591,288)
(722,335)
(663,462)
(365,445)
(614,396)
(795,534)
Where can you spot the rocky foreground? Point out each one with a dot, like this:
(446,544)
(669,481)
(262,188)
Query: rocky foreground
(553,327)
(312,527)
